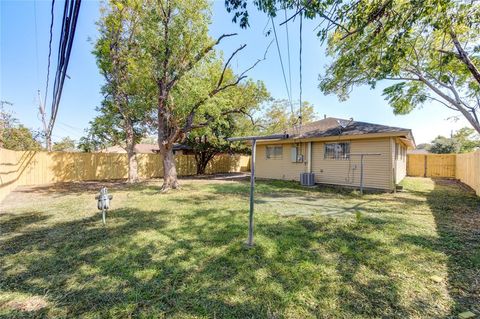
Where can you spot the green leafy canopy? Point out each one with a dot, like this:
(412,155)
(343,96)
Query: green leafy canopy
(430,48)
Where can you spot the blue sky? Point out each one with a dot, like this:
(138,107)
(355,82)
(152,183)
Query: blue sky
(21,76)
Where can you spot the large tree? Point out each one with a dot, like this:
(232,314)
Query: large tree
(20,138)
(468,140)
(174,34)
(462,141)
(444,145)
(125,110)
(428,47)
(6,120)
(64,145)
(236,119)
(90,143)
(279,117)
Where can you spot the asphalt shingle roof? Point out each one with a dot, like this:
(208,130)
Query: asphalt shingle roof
(339,127)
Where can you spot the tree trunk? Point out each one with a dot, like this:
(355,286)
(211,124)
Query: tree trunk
(202,159)
(201,166)
(170,179)
(132,166)
(130,148)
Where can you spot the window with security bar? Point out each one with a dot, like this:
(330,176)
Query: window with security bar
(337,151)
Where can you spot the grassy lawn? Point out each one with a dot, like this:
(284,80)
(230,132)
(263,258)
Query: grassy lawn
(319,253)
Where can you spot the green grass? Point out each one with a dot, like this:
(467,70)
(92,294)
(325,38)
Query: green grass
(319,253)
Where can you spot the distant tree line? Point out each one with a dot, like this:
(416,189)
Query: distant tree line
(462,141)
(14,135)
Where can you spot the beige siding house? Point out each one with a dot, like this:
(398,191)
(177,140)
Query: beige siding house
(331,149)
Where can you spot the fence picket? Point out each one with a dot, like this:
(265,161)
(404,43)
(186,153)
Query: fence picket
(35,168)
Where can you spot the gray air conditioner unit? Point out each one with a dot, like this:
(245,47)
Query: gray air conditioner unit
(307,179)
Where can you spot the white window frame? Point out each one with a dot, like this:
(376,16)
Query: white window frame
(400,152)
(296,155)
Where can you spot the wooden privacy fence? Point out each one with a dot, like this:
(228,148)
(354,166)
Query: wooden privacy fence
(465,167)
(36,168)
(431,165)
(468,170)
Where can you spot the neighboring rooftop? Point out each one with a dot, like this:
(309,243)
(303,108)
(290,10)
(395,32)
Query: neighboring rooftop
(143,148)
(418,151)
(139,149)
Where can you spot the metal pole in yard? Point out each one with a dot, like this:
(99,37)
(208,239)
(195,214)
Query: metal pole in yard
(252,173)
(361,174)
(361,166)
(252,190)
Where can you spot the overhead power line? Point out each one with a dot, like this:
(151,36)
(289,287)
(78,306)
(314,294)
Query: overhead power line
(71,127)
(69,23)
(289,63)
(281,64)
(300,58)
(49,51)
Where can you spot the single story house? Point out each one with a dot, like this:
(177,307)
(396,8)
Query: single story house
(331,148)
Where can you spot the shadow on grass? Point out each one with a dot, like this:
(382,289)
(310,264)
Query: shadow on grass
(68,188)
(143,264)
(15,222)
(456,211)
(288,198)
(277,187)
(164,263)
(63,188)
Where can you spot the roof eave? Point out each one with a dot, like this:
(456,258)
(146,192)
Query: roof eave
(296,139)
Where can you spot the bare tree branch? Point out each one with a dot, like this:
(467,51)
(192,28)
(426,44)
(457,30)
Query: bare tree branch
(401,78)
(463,56)
(295,14)
(449,53)
(259,60)
(441,102)
(197,58)
(220,80)
(241,111)
(190,118)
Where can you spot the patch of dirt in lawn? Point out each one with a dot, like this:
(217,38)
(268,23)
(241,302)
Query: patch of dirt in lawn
(221,177)
(23,195)
(34,303)
(69,187)
(453,183)
(307,206)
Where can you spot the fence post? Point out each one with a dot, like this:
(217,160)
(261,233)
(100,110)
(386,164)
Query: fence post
(425,166)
